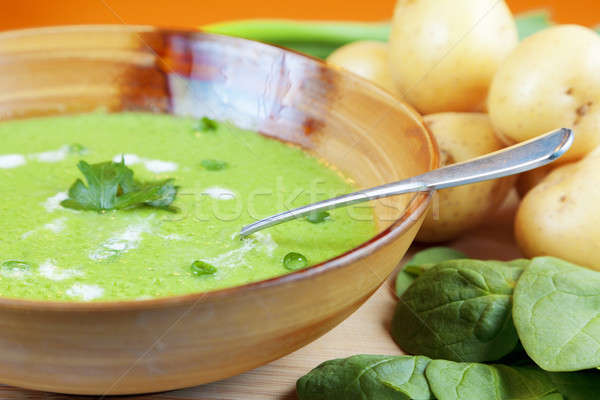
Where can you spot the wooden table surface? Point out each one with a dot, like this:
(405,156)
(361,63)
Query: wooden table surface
(366,332)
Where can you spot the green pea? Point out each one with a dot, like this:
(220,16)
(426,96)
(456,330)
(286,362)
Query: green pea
(317,217)
(214,165)
(294,261)
(17,264)
(201,268)
(206,124)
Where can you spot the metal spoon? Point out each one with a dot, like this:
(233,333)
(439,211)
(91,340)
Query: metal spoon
(510,161)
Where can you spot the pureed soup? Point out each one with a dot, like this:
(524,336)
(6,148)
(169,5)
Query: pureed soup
(56,247)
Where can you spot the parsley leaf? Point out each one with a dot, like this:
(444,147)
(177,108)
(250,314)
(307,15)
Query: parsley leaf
(111,186)
(214,165)
(206,124)
(201,268)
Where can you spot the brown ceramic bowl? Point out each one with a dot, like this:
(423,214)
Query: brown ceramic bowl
(168,343)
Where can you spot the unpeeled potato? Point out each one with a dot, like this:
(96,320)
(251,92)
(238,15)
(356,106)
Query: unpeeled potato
(444,53)
(368,59)
(560,217)
(461,137)
(552,80)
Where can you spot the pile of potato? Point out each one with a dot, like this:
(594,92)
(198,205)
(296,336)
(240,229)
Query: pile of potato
(460,63)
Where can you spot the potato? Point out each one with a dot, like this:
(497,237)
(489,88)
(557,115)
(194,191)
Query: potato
(368,59)
(560,216)
(461,137)
(444,53)
(551,80)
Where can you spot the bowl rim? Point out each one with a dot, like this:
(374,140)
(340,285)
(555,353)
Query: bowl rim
(416,208)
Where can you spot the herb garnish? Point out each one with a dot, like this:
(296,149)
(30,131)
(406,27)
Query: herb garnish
(17,264)
(214,165)
(201,268)
(317,217)
(111,186)
(206,124)
(77,149)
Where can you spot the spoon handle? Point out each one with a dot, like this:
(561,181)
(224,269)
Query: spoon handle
(512,160)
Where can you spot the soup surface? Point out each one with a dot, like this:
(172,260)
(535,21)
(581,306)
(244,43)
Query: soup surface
(227,178)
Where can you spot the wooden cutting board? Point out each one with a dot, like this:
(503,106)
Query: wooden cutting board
(365,332)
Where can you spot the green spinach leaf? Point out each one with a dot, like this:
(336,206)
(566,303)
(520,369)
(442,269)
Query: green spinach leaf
(111,186)
(404,280)
(472,381)
(554,396)
(434,255)
(557,314)
(582,385)
(450,380)
(459,310)
(420,262)
(367,377)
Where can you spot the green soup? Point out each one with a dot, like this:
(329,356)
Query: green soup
(227,178)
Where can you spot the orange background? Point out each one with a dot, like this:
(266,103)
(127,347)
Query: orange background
(191,13)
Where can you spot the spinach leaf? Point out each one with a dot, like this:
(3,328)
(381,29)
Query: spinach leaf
(472,381)
(553,396)
(459,310)
(557,314)
(434,255)
(404,280)
(367,377)
(517,358)
(450,380)
(521,263)
(420,262)
(111,186)
(582,385)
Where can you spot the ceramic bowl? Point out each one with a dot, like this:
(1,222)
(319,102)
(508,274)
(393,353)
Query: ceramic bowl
(168,343)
